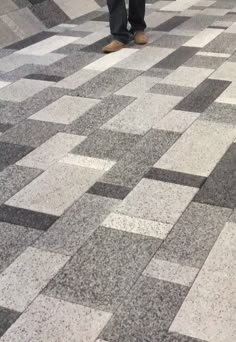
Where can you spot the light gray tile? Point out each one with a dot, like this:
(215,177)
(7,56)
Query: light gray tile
(209,309)
(177,121)
(229,95)
(77,79)
(138,87)
(50,319)
(73,10)
(22,281)
(204,37)
(226,71)
(56,189)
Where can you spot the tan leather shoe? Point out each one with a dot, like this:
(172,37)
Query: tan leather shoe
(114,46)
(140,38)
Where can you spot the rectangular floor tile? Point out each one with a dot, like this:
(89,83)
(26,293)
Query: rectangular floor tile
(171,272)
(138,87)
(51,151)
(144,59)
(150,301)
(130,169)
(54,320)
(4,84)
(171,23)
(132,120)
(89,162)
(226,72)
(65,110)
(109,190)
(22,281)
(192,238)
(157,201)
(14,178)
(47,45)
(7,318)
(224,194)
(77,79)
(30,40)
(204,37)
(70,232)
(22,89)
(92,283)
(199,149)
(56,189)
(11,153)
(229,95)
(177,58)
(14,240)
(224,43)
(208,311)
(106,144)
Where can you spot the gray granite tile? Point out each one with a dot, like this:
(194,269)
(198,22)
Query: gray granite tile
(109,190)
(31,132)
(146,313)
(171,24)
(74,227)
(224,43)
(107,144)
(219,189)
(107,83)
(13,179)
(99,114)
(170,41)
(205,62)
(49,13)
(130,169)
(220,112)
(14,240)
(170,89)
(30,40)
(7,318)
(192,238)
(11,153)
(102,272)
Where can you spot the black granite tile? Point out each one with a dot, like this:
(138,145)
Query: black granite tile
(42,77)
(175,177)
(26,218)
(203,96)
(29,41)
(7,318)
(109,190)
(11,153)
(171,24)
(4,127)
(49,13)
(177,58)
(146,313)
(104,269)
(220,187)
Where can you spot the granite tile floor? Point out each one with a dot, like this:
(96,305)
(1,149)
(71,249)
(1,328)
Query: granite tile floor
(118,176)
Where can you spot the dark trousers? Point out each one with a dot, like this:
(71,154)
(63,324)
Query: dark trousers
(119,18)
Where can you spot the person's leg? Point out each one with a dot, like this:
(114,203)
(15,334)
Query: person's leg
(118,20)
(136,15)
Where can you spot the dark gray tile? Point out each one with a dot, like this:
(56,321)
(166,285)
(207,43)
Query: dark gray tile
(97,46)
(31,133)
(107,83)
(99,114)
(174,337)
(14,240)
(175,177)
(103,17)
(109,190)
(102,272)
(147,313)
(170,41)
(220,189)
(203,96)
(7,318)
(4,127)
(207,62)
(177,58)
(170,89)
(26,218)
(30,41)
(106,144)
(70,49)
(131,168)
(11,153)
(42,77)
(171,24)
(224,43)
(193,237)
(49,13)
(220,112)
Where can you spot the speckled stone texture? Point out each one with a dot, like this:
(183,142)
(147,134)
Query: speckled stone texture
(117,174)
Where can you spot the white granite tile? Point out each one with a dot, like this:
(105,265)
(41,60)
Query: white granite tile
(213,54)
(199,149)
(22,281)
(4,84)
(83,161)
(65,110)
(229,95)
(136,225)
(168,271)
(218,12)
(179,5)
(56,189)
(75,9)
(47,45)
(139,86)
(176,121)
(54,320)
(157,201)
(188,76)
(145,58)
(77,79)
(208,312)
(142,114)
(22,90)
(91,26)
(204,37)
(51,151)
(231,29)
(226,71)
